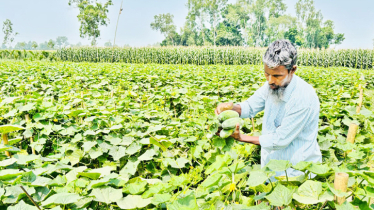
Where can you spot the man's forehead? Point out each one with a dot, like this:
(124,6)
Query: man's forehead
(280,70)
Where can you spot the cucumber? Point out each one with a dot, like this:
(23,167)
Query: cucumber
(225,115)
(231,123)
(226,133)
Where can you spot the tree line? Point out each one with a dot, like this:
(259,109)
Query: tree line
(248,23)
(254,23)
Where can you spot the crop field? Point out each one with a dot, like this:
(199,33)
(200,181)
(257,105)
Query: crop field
(141,136)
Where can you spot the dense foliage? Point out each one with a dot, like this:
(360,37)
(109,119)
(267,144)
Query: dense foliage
(126,136)
(255,23)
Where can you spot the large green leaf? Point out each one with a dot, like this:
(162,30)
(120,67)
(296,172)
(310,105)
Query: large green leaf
(310,192)
(212,180)
(186,203)
(278,165)
(10,128)
(61,198)
(22,206)
(256,178)
(345,206)
(107,195)
(320,169)
(160,198)
(133,201)
(280,196)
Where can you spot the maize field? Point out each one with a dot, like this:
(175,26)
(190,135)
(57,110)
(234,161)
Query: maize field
(359,59)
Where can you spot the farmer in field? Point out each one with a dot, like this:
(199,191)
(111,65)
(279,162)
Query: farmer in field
(290,122)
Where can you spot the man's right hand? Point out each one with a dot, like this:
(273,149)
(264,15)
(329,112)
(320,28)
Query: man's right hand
(223,107)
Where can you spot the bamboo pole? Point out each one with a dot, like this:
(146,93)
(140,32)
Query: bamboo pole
(5,141)
(352,133)
(31,139)
(360,99)
(341,183)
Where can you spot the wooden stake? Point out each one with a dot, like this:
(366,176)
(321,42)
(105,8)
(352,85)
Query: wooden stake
(341,183)
(31,139)
(352,133)
(111,93)
(5,141)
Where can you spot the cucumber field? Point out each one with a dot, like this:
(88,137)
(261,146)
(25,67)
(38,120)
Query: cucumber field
(142,136)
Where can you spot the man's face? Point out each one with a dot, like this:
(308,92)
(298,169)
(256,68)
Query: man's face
(278,78)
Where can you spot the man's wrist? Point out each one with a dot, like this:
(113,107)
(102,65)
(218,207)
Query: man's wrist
(249,139)
(238,109)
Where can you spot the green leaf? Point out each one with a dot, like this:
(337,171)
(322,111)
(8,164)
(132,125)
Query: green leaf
(15,193)
(186,203)
(90,175)
(278,165)
(148,155)
(10,128)
(345,206)
(9,173)
(7,162)
(22,206)
(25,159)
(212,180)
(302,165)
(280,196)
(220,162)
(130,167)
(256,178)
(135,186)
(61,198)
(317,168)
(133,201)
(310,193)
(107,195)
(160,198)
(75,156)
(163,144)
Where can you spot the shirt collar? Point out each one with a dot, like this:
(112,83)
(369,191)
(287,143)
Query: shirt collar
(289,89)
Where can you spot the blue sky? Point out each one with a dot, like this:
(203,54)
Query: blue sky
(41,20)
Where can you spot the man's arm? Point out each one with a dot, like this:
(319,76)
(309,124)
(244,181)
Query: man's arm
(254,104)
(292,124)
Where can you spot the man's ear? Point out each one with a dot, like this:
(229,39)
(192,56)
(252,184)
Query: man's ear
(294,68)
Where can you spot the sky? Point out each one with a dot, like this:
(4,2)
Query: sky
(41,20)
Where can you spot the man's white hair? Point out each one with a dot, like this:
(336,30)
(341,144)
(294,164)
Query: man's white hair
(280,53)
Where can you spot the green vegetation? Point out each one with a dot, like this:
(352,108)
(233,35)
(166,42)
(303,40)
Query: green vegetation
(126,136)
(360,59)
(255,23)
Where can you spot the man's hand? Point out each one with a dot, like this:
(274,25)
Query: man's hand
(223,107)
(236,135)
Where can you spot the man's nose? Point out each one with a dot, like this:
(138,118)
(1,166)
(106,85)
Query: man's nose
(271,80)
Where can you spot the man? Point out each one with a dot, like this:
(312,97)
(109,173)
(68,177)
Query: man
(290,122)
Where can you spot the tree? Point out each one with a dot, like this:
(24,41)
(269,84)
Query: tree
(91,16)
(164,24)
(51,43)
(196,19)
(34,45)
(214,9)
(316,32)
(9,35)
(62,41)
(108,44)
